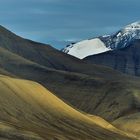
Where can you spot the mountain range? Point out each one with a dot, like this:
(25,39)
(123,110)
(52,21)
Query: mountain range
(47,94)
(120,39)
(120,51)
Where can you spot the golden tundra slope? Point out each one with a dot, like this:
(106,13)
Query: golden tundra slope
(28,111)
(129,123)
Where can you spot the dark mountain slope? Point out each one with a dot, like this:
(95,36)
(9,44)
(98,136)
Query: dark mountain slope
(42,54)
(126,60)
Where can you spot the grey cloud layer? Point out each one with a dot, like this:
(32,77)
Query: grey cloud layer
(61,20)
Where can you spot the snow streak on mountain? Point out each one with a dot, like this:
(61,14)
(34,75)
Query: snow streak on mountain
(118,40)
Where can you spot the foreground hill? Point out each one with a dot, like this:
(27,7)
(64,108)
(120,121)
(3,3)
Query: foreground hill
(28,111)
(130,123)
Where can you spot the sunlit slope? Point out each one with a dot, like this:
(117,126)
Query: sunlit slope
(28,110)
(130,123)
(9,132)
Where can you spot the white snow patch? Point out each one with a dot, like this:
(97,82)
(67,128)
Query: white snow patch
(85,48)
(133,26)
(105,35)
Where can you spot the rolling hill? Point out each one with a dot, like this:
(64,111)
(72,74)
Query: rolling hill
(129,124)
(28,111)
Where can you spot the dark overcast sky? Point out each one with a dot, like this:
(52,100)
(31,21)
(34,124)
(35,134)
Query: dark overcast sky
(61,21)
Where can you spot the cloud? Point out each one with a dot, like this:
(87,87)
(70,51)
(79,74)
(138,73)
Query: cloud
(47,20)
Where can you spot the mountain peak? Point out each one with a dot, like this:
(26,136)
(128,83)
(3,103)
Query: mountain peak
(118,40)
(135,25)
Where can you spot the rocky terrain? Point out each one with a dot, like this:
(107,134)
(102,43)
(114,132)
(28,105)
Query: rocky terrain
(89,88)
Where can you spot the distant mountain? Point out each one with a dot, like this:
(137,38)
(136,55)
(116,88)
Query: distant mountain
(121,39)
(86,47)
(126,60)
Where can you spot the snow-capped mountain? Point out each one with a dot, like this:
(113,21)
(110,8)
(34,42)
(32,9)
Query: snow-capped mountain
(105,43)
(86,47)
